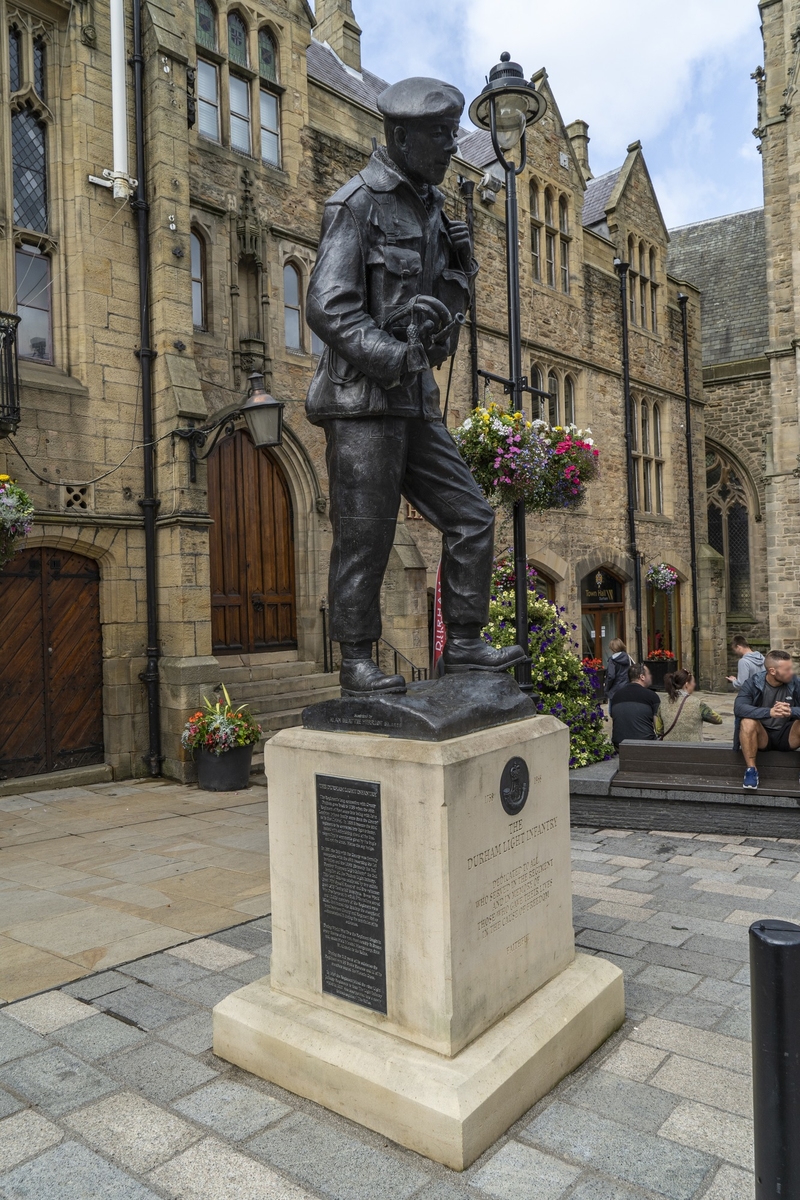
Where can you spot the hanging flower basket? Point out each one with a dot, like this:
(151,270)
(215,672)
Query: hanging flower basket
(222,739)
(517,460)
(662,577)
(16,518)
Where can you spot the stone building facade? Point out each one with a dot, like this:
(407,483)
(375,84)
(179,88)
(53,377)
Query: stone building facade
(255,113)
(747,269)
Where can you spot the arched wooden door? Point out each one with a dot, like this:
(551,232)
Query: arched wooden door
(253,605)
(51,663)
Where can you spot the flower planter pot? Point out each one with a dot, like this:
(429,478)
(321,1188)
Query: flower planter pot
(659,668)
(226,772)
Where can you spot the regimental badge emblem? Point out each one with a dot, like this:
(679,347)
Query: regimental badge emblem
(515,783)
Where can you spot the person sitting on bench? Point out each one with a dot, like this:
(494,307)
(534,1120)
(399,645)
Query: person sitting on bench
(767,712)
(635,708)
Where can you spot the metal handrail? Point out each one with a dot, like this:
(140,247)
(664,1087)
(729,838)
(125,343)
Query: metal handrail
(399,660)
(417,673)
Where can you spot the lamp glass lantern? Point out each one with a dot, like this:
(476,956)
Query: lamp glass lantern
(507,105)
(263,414)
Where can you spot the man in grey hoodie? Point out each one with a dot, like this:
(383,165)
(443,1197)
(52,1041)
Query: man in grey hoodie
(750,661)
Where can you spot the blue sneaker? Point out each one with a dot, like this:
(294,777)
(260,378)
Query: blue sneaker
(751,778)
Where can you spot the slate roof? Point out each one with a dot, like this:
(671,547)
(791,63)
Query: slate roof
(327,68)
(476,147)
(727,259)
(598,193)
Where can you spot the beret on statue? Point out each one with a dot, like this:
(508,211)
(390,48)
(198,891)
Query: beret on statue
(420,99)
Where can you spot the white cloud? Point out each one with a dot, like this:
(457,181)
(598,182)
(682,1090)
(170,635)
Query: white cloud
(628,67)
(671,73)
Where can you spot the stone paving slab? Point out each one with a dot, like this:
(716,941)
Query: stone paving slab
(127,1105)
(100,875)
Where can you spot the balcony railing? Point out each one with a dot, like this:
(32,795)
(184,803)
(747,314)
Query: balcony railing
(9,374)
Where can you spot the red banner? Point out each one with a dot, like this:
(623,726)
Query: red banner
(439,631)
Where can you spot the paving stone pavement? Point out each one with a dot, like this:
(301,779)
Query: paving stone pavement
(109,1089)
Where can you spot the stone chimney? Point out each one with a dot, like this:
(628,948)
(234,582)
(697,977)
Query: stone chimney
(578,134)
(337,26)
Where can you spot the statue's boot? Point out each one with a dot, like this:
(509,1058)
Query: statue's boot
(362,677)
(474,654)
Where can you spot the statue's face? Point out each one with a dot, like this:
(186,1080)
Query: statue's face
(423,149)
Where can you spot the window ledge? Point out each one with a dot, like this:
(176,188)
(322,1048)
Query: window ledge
(45,376)
(655,518)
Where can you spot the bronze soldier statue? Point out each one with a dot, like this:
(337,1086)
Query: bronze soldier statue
(392,276)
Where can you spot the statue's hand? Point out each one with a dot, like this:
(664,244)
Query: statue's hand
(437,355)
(430,316)
(462,242)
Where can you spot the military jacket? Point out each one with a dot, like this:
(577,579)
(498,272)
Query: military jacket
(380,246)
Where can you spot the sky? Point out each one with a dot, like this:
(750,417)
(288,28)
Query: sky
(673,74)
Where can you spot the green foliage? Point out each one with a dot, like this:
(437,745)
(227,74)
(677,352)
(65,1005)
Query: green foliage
(220,727)
(16,517)
(565,687)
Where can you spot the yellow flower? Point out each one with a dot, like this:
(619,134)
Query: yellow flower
(5,478)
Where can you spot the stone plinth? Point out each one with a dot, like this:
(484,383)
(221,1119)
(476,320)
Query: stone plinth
(453,999)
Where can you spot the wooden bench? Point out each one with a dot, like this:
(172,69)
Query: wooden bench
(692,787)
(704,767)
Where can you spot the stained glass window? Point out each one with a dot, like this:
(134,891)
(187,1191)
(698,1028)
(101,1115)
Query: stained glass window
(38,66)
(237,40)
(30,173)
(206,24)
(267,57)
(15,59)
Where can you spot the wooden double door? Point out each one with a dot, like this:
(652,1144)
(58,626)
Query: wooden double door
(51,663)
(253,606)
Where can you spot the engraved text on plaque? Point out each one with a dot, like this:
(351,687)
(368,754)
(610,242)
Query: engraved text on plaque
(351,890)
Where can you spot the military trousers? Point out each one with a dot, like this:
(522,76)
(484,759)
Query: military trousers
(372,463)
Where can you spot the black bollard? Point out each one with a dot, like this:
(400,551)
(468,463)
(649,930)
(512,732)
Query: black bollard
(775,1014)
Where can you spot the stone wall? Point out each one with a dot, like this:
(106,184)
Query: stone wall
(82,415)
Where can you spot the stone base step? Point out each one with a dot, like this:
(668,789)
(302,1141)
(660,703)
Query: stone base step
(235,675)
(257,692)
(295,701)
(71,777)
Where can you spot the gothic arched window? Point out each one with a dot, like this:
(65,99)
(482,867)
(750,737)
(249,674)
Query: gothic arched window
(205,24)
(292,311)
(729,526)
(237,39)
(267,56)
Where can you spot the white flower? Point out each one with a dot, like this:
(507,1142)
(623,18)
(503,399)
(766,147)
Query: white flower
(467,424)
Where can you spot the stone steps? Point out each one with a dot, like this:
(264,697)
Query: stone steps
(254,692)
(293,700)
(276,688)
(261,669)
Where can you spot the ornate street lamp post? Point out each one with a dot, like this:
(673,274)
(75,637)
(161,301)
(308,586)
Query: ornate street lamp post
(506,107)
(263,416)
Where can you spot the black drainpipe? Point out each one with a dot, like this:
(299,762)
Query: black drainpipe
(467,188)
(149,503)
(683,301)
(622,270)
